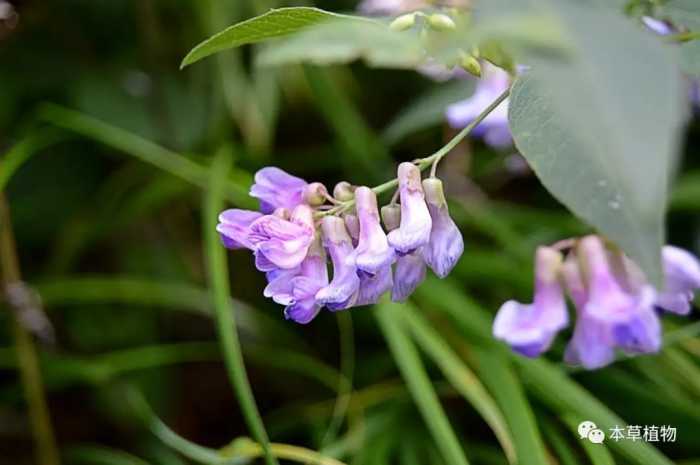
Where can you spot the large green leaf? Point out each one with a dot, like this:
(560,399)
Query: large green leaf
(343,40)
(686,13)
(601,128)
(275,23)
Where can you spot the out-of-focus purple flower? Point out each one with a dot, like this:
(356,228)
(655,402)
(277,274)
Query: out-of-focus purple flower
(682,278)
(312,277)
(662,28)
(372,287)
(530,328)
(623,319)
(282,243)
(395,7)
(494,128)
(342,292)
(409,273)
(416,223)
(234,226)
(276,188)
(446,245)
(587,346)
(373,252)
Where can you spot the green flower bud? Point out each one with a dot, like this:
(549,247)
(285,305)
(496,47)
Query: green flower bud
(344,191)
(391,216)
(441,22)
(315,194)
(471,65)
(403,22)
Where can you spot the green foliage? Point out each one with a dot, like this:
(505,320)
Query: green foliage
(274,23)
(603,151)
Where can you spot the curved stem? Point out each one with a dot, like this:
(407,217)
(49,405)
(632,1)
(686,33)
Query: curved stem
(431,160)
(226,324)
(46,448)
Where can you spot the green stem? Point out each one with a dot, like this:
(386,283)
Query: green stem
(226,324)
(46,449)
(431,160)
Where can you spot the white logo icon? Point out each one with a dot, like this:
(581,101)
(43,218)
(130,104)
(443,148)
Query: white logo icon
(589,430)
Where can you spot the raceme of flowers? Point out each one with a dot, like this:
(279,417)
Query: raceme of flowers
(296,233)
(617,308)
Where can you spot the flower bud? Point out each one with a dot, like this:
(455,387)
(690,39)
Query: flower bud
(441,22)
(403,22)
(315,194)
(391,216)
(344,191)
(471,65)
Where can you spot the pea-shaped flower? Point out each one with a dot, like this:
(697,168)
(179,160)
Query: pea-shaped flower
(313,276)
(414,230)
(625,319)
(282,243)
(276,188)
(234,227)
(373,252)
(530,328)
(343,290)
(446,244)
(410,268)
(682,278)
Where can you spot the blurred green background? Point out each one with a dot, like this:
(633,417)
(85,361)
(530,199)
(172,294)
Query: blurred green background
(106,148)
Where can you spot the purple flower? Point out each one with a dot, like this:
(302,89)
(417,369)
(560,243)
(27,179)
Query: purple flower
(494,128)
(409,273)
(282,243)
(662,28)
(280,287)
(234,227)
(682,276)
(276,188)
(372,287)
(530,328)
(588,346)
(373,252)
(414,230)
(342,292)
(621,319)
(446,244)
(312,277)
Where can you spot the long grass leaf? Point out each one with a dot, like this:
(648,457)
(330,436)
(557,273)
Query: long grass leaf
(226,323)
(140,148)
(418,383)
(461,377)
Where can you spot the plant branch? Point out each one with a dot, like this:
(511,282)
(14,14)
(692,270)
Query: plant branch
(431,160)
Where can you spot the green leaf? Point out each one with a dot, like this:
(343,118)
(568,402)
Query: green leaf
(690,58)
(601,129)
(686,13)
(428,109)
(412,369)
(275,23)
(343,41)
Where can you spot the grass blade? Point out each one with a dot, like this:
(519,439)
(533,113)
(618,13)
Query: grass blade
(418,383)
(226,324)
(462,378)
(140,148)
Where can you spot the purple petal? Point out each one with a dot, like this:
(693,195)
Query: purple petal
(494,82)
(414,231)
(410,272)
(446,245)
(276,188)
(283,243)
(373,252)
(372,287)
(234,227)
(588,346)
(530,328)
(660,27)
(343,290)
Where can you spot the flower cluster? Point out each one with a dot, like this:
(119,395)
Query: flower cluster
(616,307)
(295,231)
